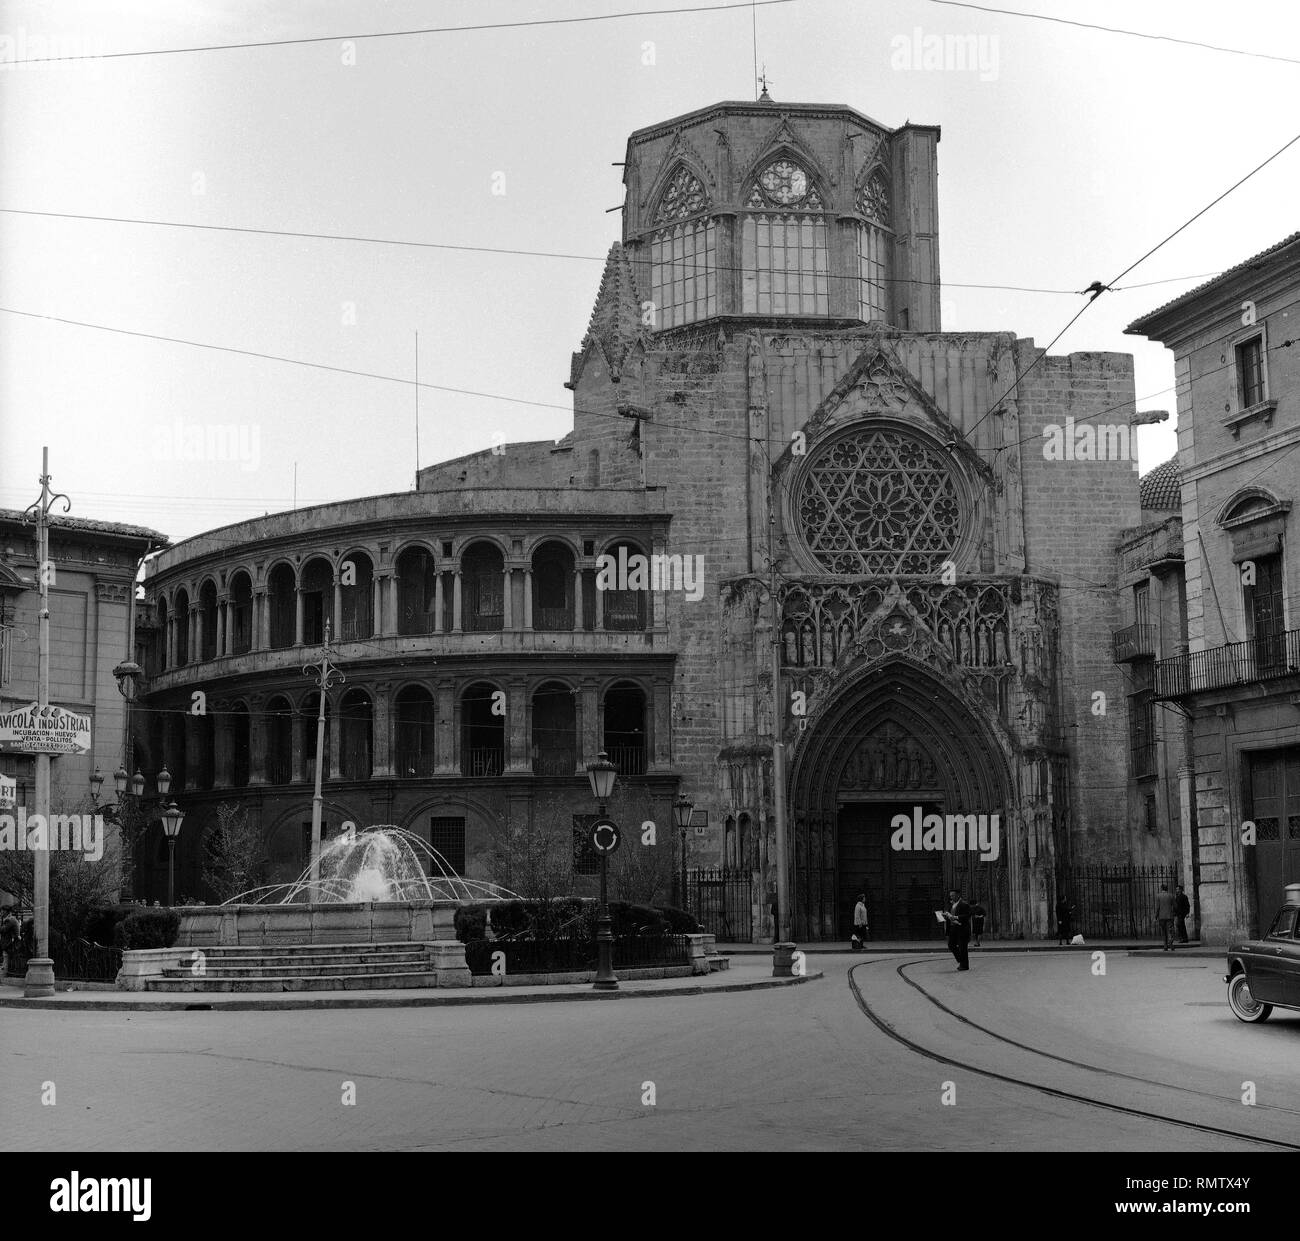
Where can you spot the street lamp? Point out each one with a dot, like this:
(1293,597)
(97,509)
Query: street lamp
(602,774)
(683,808)
(171,819)
(133,786)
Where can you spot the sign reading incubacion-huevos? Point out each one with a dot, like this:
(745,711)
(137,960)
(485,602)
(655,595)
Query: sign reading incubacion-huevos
(34,729)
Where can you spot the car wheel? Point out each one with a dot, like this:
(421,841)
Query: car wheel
(1244,1005)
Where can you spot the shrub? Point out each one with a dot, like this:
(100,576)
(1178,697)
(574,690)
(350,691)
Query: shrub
(679,921)
(471,923)
(151,928)
(103,921)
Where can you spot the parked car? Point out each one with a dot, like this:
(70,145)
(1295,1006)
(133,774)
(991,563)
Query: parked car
(1264,974)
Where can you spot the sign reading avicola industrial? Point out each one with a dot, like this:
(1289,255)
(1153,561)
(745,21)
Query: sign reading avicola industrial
(34,729)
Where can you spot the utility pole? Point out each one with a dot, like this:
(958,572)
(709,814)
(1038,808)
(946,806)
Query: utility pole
(39,980)
(323,673)
(778,769)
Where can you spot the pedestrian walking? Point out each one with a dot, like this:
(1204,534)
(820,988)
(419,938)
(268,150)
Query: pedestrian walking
(977,914)
(1165,915)
(8,939)
(1064,920)
(1182,907)
(860,927)
(958,919)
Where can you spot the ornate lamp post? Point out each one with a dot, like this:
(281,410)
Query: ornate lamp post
(133,787)
(604,836)
(172,818)
(683,808)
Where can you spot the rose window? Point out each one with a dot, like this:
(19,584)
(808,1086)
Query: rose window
(880,502)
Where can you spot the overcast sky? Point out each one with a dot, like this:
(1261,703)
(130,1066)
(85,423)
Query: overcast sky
(1064,156)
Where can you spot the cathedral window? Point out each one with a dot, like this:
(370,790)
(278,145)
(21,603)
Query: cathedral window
(879,501)
(683,275)
(875,240)
(784,244)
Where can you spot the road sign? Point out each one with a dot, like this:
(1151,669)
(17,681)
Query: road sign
(605,836)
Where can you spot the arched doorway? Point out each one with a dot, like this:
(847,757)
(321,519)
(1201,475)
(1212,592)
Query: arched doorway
(895,741)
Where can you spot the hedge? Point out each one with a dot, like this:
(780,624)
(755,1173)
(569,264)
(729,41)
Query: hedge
(150,928)
(541,919)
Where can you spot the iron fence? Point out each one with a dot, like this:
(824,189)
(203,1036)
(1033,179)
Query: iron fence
(561,954)
(83,961)
(1234,663)
(1114,901)
(722,901)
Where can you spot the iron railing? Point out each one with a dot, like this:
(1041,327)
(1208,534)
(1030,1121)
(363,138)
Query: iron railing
(414,764)
(722,901)
(1113,901)
(484,622)
(1133,642)
(355,627)
(553,619)
(415,624)
(279,769)
(483,761)
(1234,663)
(80,960)
(555,762)
(629,759)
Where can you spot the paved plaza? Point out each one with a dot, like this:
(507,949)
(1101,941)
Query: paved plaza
(793,1068)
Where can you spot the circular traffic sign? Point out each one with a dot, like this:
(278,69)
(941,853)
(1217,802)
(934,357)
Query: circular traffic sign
(605,836)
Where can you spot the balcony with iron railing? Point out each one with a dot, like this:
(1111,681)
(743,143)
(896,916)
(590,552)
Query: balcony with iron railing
(1267,658)
(629,759)
(483,761)
(1133,642)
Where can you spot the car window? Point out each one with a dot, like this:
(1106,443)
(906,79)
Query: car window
(1284,924)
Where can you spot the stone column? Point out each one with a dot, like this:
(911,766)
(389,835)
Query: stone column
(457,620)
(169,642)
(221,627)
(600,606)
(659,723)
(528,598)
(199,632)
(381,743)
(261,637)
(224,746)
(589,721)
(297,616)
(439,603)
(298,745)
(518,758)
(257,739)
(193,758)
(377,605)
(336,617)
(577,600)
(508,599)
(446,737)
(333,737)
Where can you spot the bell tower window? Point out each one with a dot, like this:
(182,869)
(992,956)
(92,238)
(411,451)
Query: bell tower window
(683,273)
(784,244)
(875,241)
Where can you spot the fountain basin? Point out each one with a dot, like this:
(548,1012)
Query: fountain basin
(363,922)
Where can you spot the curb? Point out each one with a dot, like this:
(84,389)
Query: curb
(480,995)
(1004,946)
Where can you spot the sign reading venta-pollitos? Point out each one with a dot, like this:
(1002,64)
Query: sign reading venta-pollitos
(34,729)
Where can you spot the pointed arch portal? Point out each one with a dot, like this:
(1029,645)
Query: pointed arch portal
(895,741)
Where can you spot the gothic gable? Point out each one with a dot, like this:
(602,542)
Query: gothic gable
(615,328)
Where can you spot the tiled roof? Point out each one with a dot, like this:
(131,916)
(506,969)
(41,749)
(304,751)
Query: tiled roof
(1138,325)
(1161,488)
(91,526)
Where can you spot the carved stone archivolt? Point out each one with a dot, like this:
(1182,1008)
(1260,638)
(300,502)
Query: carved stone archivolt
(890,759)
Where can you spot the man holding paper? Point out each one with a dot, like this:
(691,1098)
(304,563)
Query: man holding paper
(957,917)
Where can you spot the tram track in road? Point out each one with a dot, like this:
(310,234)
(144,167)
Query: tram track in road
(1055,1092)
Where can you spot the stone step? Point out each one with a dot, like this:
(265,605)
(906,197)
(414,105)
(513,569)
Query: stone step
(283,969)
(329,982)
(211,950)
(255,961)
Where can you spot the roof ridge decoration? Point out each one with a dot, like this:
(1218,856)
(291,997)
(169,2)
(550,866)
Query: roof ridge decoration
(615,328)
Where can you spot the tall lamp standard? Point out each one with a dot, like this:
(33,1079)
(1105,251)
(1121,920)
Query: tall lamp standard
(171,818)
(133,787)
(683,808)
(602,774)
